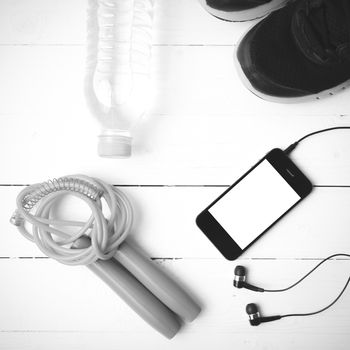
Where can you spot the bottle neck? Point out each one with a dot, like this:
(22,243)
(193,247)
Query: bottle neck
(115,143)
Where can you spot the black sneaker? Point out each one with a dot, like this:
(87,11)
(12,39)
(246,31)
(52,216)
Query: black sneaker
(241,10)
(300,52)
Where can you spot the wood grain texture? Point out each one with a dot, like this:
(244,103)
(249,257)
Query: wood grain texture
(202,131)
(43,299)
(180,22)
(165,224)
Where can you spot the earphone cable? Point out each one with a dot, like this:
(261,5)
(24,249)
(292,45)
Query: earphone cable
(308,274)
(325,308)
(291,147)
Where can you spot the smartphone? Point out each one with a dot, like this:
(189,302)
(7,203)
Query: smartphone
(253,204)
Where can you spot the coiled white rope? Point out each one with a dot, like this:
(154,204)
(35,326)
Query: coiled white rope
(35,206)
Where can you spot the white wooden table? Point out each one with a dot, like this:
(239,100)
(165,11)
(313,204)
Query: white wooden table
(203,131)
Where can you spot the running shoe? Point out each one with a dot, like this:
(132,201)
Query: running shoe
(300,52)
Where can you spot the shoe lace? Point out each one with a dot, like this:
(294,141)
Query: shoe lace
(328,23)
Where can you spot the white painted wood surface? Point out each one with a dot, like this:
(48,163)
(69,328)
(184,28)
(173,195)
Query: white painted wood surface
(202,131)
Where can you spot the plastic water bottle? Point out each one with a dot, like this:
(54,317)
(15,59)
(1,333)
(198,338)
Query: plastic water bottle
(117,78)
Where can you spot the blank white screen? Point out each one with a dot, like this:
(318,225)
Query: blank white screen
(253,204)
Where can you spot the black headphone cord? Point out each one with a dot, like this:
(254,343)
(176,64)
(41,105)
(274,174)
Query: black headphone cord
(291,147)
(325,308)
(308,274)
(288,150)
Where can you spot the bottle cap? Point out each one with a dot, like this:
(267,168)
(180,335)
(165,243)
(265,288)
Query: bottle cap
(114,146)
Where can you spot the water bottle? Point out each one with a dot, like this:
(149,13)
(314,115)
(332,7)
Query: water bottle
(117,81)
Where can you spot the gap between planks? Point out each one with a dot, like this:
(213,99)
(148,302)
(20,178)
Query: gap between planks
(187,258)
(83,45)
(181,186)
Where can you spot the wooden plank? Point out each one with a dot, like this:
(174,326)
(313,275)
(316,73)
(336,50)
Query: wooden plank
(191,80)
(170,150)
(196,132)
(48,22)
(42,22)
(109,341)
(165,224)
(34,291)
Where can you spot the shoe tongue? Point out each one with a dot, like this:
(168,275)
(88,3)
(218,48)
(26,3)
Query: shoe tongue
(322,29)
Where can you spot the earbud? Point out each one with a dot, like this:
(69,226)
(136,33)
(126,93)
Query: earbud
(240,277)
(252,309)
(254,315)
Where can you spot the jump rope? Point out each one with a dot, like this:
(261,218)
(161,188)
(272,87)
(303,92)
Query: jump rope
(100,244)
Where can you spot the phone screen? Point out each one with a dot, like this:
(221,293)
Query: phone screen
(254,203)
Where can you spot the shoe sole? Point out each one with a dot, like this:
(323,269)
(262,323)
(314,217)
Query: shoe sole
(285,100)
(245,15)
